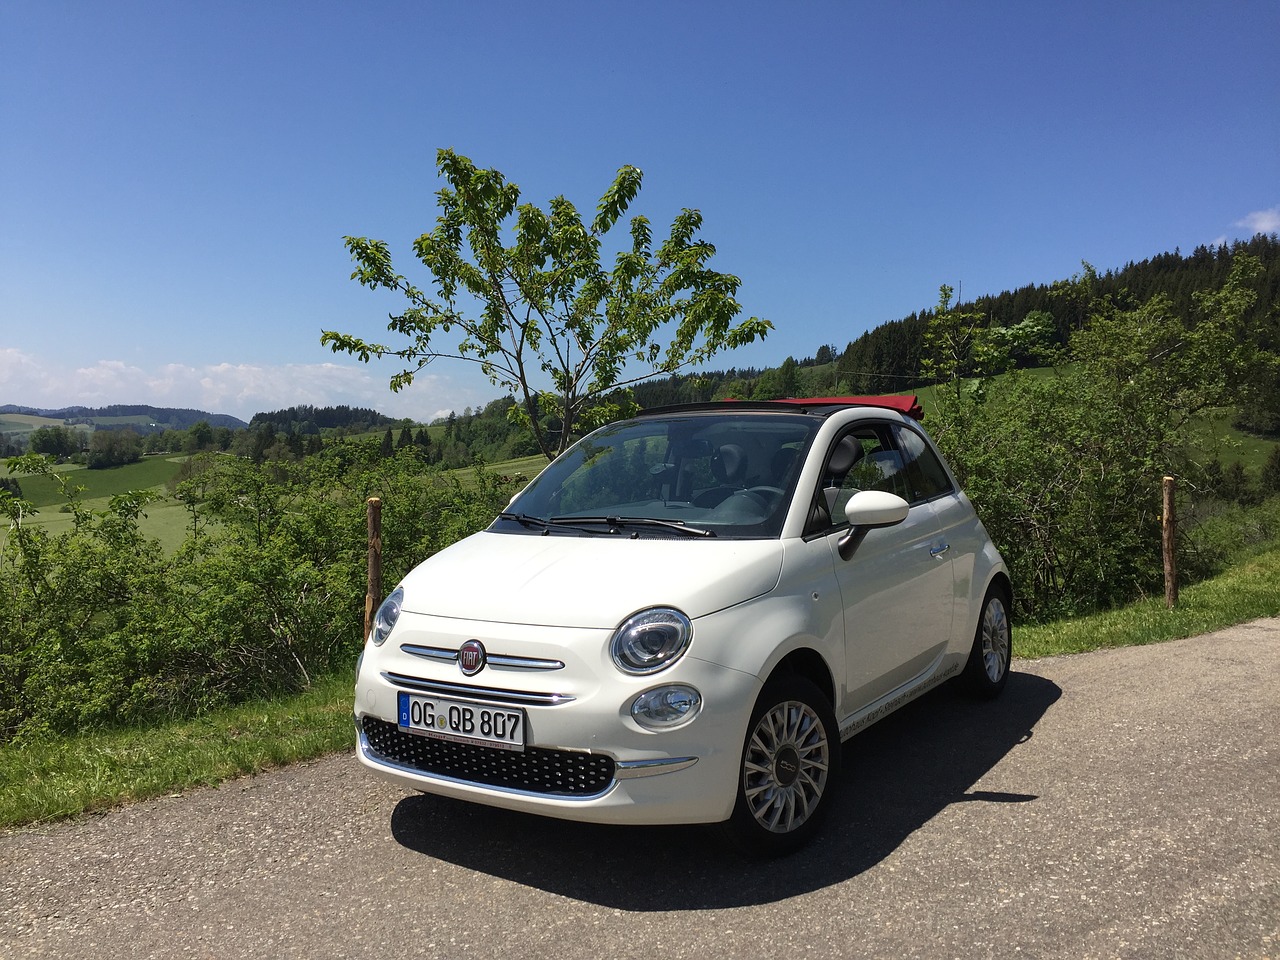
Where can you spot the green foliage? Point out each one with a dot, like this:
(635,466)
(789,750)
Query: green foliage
(1271,473)
(55,441)
(114,448)
(888,358)
(98,626)
(1066,470)
(551,312)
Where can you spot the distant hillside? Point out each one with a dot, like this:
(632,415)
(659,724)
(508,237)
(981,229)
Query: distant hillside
(308,419)
(146,418)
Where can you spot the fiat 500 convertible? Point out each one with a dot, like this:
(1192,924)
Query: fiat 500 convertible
(683,616)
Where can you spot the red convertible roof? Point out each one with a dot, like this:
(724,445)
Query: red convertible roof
(909,405)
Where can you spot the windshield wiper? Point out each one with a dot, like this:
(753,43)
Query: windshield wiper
(537,523)
(679,526)
(524,520)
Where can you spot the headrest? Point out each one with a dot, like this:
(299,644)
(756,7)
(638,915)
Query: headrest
(847,452)
(729,465)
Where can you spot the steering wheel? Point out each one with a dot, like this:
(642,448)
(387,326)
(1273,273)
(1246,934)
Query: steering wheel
(766,496)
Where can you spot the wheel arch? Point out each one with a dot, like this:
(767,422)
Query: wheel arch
(1002,581)
(810,664)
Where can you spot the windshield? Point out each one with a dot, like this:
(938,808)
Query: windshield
(697,475)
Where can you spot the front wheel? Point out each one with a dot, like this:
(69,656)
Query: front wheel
(988,668)
(790,762)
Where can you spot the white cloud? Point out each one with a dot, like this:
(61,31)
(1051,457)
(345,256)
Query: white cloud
(239,389)
(1262,221)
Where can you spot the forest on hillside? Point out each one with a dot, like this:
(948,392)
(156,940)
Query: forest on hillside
(888,358)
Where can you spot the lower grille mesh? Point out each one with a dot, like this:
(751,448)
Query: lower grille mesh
(553,772)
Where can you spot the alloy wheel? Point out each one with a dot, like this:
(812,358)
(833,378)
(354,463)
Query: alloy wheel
(786,766)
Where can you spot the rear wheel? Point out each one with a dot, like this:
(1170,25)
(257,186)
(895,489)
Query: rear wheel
(790,761)
(988,668)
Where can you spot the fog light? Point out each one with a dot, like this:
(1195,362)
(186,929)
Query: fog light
(666,707)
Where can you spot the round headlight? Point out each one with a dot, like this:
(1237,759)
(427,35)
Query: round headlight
(386,616)
(651,640)
(666,707)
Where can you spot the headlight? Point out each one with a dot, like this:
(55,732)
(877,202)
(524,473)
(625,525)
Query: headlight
(666,707)
(651,640)
(386,616)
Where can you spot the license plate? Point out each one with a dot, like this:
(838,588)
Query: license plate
(462,721)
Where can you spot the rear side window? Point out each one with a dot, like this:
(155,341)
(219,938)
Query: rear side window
(922,472)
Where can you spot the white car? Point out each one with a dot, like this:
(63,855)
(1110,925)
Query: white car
(681,618)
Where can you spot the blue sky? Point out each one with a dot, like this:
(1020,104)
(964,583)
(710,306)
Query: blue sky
(176,177)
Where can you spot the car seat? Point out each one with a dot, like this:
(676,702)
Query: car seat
(846,453)
(729,467)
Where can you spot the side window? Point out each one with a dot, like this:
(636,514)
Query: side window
(865,458)
(879,467)
(922,471)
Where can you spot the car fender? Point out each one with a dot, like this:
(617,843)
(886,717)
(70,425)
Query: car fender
(754,638)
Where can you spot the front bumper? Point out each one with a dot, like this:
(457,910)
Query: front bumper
(586,759)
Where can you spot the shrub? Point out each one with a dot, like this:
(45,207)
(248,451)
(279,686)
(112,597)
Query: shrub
(98,627)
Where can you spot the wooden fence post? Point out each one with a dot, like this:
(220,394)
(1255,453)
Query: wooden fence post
(1169,544)
(373,591)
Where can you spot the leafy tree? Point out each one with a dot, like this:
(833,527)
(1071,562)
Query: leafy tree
(957,344)
(199,437)
(1066,470)
(551,313)
(1271,473)
(784,381)
(114,448)
(388,443)
(1236,486)
(55,441)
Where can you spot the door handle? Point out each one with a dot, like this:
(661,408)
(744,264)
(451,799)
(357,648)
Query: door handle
(939,550)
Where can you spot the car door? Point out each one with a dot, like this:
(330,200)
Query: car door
(897,588)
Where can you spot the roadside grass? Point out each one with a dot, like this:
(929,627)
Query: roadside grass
(1247,591)
(49,780)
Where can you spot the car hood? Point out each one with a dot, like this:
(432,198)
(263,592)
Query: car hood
(588,581)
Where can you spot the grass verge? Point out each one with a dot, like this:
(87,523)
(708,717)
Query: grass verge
(1247,591)
(48,781)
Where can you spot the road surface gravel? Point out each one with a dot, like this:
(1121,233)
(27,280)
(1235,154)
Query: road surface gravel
(1124,803)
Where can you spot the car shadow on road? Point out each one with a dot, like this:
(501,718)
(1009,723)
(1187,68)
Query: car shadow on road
(898,775)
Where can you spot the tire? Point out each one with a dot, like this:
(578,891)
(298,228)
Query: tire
(987,670)
(789,769)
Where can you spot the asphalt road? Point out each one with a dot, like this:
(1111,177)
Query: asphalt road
(1115,804)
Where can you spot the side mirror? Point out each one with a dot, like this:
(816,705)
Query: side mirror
(869,510)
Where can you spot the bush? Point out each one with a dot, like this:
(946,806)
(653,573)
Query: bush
(267,592)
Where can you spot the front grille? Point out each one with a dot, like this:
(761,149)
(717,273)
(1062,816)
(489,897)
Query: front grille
(554,772)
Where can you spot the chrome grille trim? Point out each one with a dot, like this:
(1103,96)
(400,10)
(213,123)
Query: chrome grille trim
(634,769)
(487,694)
(445,655)
(430,653)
